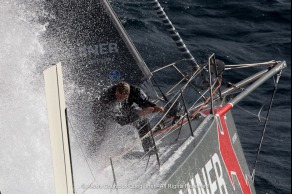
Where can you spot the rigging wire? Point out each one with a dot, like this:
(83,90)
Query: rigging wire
(83,154)
(176,96)
(276,81)
(138,140)
(182,121)
(251,113)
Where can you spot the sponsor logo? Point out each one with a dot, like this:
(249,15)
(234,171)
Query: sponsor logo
(99,49)
(210,180)
(205,182)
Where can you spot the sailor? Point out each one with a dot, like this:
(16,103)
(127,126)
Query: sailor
(133,104)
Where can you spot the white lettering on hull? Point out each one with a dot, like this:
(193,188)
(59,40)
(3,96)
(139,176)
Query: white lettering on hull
(212,176)
(219,174)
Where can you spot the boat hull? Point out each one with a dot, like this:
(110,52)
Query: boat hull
(213,163)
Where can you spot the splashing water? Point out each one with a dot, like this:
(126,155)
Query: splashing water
(25,154)
(25,158)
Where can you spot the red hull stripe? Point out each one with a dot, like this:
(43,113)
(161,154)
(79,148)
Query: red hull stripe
(228,154)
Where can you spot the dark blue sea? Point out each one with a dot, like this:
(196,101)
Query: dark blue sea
(238,32)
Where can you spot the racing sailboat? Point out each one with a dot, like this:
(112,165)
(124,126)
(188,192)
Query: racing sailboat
(197,148)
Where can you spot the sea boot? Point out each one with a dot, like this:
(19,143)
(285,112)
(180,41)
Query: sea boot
(143,128)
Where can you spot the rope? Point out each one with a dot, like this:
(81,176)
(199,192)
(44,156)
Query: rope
(176,99)
(181,120)
(265,126)
(194,114)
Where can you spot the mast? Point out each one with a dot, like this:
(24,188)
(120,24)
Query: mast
(145,83)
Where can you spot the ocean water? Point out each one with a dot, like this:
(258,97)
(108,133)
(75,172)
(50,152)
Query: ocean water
(237,31)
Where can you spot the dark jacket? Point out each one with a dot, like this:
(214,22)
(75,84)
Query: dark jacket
(105,105)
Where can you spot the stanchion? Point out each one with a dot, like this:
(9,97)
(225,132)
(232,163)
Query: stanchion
(186,110)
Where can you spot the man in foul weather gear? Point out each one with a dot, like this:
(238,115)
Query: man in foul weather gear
(125,104)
